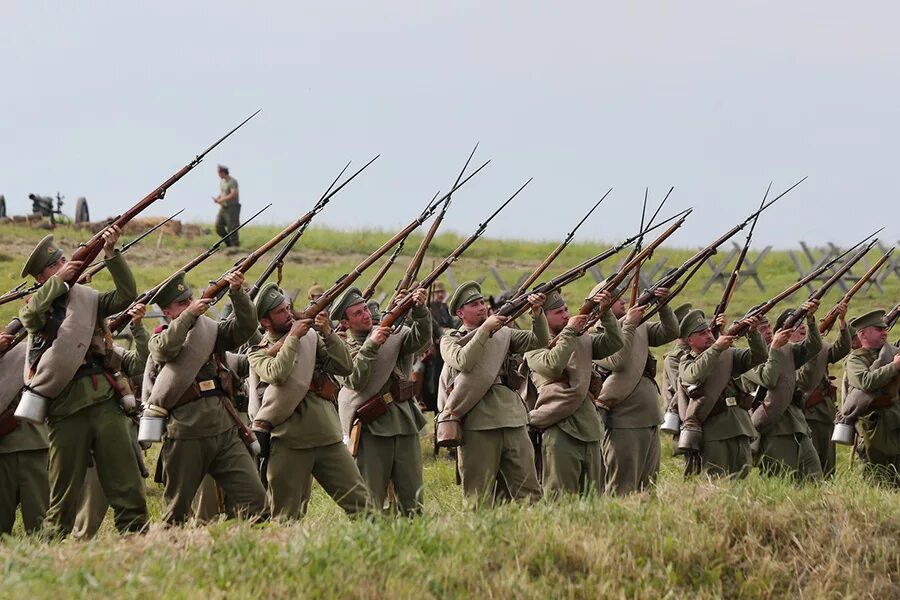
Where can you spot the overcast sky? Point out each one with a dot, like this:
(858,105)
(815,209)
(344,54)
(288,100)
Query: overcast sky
(107,99)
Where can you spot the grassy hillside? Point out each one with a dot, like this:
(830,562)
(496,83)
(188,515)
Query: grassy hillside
(757,538)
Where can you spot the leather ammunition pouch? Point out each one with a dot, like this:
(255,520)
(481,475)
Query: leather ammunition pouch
(322,385)
(8,422)
(377,405)
(650,367)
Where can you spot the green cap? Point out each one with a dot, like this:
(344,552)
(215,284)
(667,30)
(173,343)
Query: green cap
(173,290)
(351,297)
(43,254)
(270,296)
(692,322)
(874,318)
(554,301)
(469,291)
(779,322)
(682,311)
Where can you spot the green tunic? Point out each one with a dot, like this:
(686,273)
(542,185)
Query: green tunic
(226,186)
(500,406)
(203,417)
(881,427)
(825,411)
(402,418)
(315,422)
(83,391)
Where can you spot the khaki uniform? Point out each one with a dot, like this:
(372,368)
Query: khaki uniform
(671,362)
(85,421)
(785,445)
(496,450)
(727,430)
(389,449)
(309,443)
(630,393)
(880,428)
(229,215)
(23,457)
(820,398)
(94,504)
(572,431)
(201,437)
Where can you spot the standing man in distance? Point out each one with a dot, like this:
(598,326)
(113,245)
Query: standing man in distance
(229,216)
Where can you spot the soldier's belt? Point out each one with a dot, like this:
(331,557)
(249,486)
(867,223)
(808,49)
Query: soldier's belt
(323,386)
(377,405)
(201,388)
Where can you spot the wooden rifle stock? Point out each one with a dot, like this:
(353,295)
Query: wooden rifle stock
(87,252)
(891,318)
(828,321)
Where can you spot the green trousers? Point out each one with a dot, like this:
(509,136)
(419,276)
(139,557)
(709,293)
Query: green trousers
(820,436)
(227,219)
(731,457)
(488,456)
(632,459)
(23,483)
(396,459)
(790,455)
(882,469)
(290,479)
(99,432)
(570,465)
(226,459)
(209,502)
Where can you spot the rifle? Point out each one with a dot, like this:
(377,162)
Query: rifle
(88,251)
(89,272)
(391,316)
(277,263)
(731,286)
(382,271)
(118,322)
(798,314)
(216,290)
(698,259)
(516,307)
(412,270)
(523,287)
(740,327)
(828,321)
(636,280)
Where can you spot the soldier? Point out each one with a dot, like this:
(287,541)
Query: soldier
(69,353)
(93,502)
(716,424)
(820,395)
(630,396)
(571,429)
(229,216)
(495,451)
(441,319)
(784,445)
(23,449)
(874,369)
(187,381)
(379,393)
(297,423)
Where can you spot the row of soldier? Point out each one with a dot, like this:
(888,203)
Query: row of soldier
(334,398)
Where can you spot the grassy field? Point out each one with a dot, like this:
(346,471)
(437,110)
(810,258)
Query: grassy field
(757,538)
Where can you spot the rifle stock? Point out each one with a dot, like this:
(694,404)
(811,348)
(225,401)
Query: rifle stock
(827,322)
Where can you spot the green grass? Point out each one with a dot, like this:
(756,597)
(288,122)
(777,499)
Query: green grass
(757,538)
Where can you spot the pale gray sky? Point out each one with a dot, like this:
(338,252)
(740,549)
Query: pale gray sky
(106,99)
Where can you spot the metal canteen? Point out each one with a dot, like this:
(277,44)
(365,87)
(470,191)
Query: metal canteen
(671,423)
(151,429)
(32,407)
(843,434)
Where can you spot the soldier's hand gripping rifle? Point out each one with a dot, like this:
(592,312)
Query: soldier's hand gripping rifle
(389,318)
(828,321)
(20,291)
(740,327)
(118,322)
(797,315)
(87,252)
(694,263)
(731,285)
(216,290)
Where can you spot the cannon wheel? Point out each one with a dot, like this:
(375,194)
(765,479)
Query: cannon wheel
(82,214)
